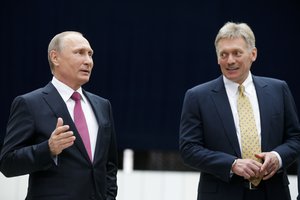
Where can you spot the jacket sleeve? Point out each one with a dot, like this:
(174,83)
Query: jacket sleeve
(112,163)
(20,154)
(290,148)
(194,148)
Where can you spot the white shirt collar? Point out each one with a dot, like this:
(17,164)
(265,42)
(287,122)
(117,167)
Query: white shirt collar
(64,90)
(232,87)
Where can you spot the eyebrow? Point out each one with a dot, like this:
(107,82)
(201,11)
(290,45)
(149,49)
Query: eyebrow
(84,49)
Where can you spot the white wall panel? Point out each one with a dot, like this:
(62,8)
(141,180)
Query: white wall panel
(137,185)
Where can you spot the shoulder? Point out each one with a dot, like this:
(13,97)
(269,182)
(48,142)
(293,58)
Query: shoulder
(95,96)
(207,87)
(97,99)
(269,82)
(203,92)
(49,88)
(272,86)
(31,96)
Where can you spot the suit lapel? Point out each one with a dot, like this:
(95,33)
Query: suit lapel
(56,103)
(221,101)
(96,106)
(264,103)
(59,108)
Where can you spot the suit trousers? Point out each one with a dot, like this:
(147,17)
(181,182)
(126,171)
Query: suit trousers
(254,194)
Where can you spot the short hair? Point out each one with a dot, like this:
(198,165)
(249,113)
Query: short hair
(233,30)
(57,44)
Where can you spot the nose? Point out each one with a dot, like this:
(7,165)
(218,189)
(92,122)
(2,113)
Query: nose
(230,59)
(88,60)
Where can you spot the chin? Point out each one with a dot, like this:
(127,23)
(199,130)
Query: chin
(84,81)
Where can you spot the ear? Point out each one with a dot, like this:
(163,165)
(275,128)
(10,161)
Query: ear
(254,54)
(54,57)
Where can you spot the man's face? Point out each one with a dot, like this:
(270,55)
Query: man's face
(235,58)
(74,63)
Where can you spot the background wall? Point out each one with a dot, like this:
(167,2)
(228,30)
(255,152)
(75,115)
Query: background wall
(147,54)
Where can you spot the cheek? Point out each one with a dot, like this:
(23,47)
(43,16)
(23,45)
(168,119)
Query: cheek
(222,63)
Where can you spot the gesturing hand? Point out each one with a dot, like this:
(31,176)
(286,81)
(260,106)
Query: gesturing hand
(60,138)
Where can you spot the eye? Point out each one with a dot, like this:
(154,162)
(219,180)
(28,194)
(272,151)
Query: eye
(223,55)
(78,52)
(237,53)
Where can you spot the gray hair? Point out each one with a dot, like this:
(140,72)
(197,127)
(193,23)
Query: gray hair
(57,44)
(233,30)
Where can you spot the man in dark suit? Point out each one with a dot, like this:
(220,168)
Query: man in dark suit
(42,140)
(210,128)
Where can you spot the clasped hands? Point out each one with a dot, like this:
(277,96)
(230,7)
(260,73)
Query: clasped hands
(61,138)
(249,168)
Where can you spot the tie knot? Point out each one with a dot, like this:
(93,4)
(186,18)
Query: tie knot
(76,96)
(241,90)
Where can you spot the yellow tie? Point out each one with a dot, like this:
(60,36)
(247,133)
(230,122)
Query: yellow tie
(249,136)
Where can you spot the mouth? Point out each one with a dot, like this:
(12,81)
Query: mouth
(232,68)
(85,71)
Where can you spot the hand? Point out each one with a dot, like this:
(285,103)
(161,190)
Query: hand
(60,138)
(247,168)
(270,165)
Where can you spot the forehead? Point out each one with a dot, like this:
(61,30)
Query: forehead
(75,41)
(227,44)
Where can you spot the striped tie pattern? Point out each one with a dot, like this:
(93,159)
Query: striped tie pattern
(249,136)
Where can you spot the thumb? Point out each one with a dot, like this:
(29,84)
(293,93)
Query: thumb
(60,122)
(260,155)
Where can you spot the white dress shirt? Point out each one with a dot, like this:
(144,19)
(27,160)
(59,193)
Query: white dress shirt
(232,93)
(66,93)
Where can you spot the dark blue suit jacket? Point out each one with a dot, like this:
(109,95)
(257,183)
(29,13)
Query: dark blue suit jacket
(25,150)
(208,140)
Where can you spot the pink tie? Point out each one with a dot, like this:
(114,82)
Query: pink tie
(80,123)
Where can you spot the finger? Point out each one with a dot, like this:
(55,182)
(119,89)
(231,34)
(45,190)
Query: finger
(60,122)
(60,127)
(256,169)
(59,140)
(67,142)
(266,177)
(257,164)
(251,171)
(260,155)
(264,168)
(249,174)
(267,164)
(65,135)
(66,145)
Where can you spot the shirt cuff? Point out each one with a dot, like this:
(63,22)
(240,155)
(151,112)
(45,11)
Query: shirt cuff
(278,157)
(231,172)
(55,159)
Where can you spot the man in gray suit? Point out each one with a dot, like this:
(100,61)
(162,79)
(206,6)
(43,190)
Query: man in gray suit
(43,141)
(210,129)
